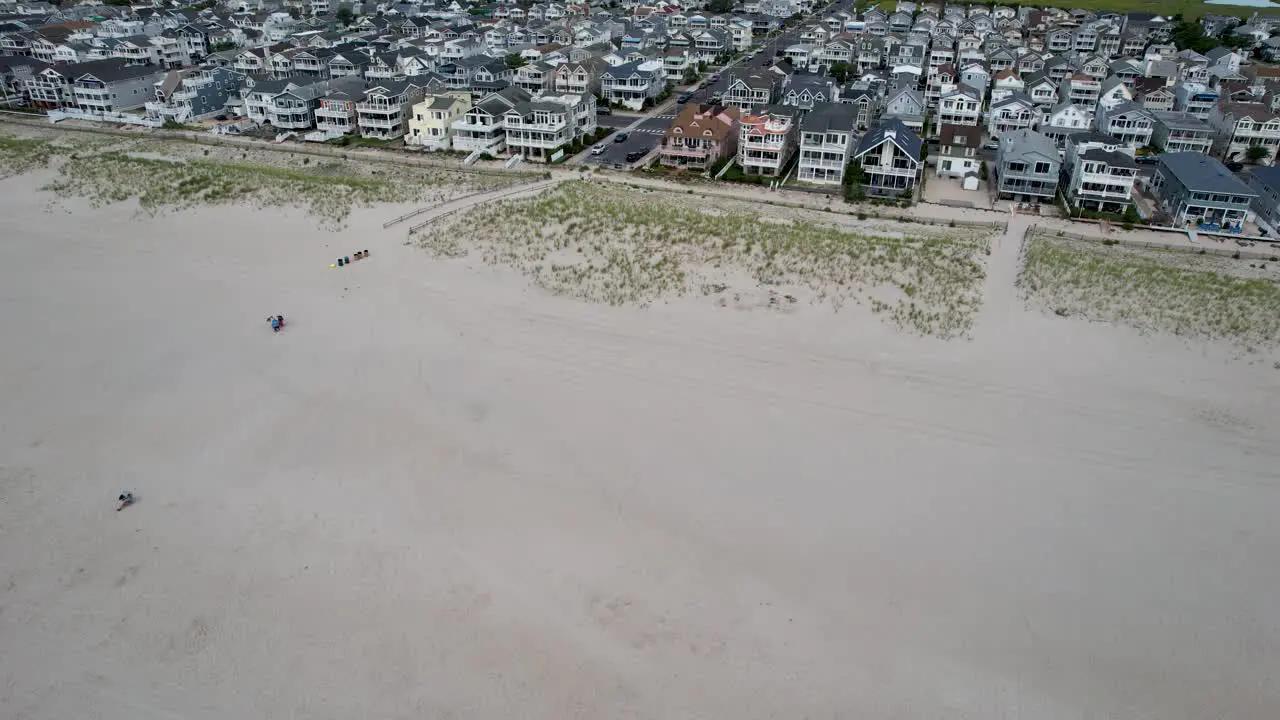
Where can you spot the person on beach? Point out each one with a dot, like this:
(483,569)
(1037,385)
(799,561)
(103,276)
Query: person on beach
(126,499)
(275,322)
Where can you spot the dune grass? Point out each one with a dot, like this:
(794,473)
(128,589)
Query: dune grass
(1198,296)
(175,175)
(617,245)
(22,155)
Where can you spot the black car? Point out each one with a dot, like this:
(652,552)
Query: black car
(684,98)
(1235,166)
(620,137)
(604,110)
(1148,160)
(635,155)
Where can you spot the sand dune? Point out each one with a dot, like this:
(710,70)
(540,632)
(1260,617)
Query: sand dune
(444,493)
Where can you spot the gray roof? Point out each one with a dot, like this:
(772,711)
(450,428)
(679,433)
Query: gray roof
(1176,120)
(1267,176)
(830,116)
(1201,173)
(1110,157)
(1026,143)
(893,131)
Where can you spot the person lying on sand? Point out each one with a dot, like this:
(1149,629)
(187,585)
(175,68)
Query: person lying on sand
(126,499)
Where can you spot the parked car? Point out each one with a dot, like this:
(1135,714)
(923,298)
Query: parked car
(1147,159)
(604,110)
(684,98)
(992,144)
(1235,166)
(599,149)
(715,77)
(635,155)
(620,137)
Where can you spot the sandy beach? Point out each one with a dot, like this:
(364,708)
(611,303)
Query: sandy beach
(443,492)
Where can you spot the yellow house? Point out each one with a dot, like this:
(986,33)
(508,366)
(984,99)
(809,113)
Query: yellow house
(429,126)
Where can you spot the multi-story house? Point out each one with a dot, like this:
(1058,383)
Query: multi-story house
(889,157)
(632,84)
(172,50)
(1114,92)
(1041,89)
(1240,126)
(962,106)
(1195,99)
(1099,173)
(1027,166)
(827,135)
(751,91)
(976,77)
(535,77)
(137,50)
(1153,96)
(579,77)
(958,150)
(1265,181)
(767,139)
(185,95)
(908,107)
(1063,120)
(941,80)
(1196,188)
(864,100)
(1081,90)
(384,112)
(805,91)
(294,106)
(107,86)
(431,122)
(1015,112)
(543,127)
(336,114)
(700,137)
(1128,122)
(1180,132)
(481,128)
(1005,84)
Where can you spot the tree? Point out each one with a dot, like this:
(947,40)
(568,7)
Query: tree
(1190,36)
(853,177)
(1256,154)
(840,71)
(345,16)
(720,6)
(295,13)
(514,60)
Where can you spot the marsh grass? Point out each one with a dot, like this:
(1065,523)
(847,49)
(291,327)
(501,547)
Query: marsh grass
(627,246)
(1198,296)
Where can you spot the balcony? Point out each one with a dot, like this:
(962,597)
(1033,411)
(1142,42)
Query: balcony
(380,106)
(375,121)
(549,143)
(890,170)
(476,127)
(686,152)
(331,112)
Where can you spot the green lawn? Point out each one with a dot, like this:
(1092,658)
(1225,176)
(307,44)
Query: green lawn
(1188,8)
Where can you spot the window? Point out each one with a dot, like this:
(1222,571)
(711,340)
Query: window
(1042,168)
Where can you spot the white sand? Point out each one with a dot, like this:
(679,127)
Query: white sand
(442,494)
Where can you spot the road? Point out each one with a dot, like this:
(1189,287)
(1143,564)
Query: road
(644,132)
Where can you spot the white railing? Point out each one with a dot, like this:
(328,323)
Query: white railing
(68,114)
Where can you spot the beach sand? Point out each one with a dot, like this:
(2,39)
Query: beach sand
(443,493)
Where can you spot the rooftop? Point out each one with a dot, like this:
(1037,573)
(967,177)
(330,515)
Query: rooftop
(1200,173)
